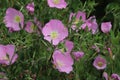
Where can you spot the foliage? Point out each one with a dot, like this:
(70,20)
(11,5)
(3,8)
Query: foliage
(35,61)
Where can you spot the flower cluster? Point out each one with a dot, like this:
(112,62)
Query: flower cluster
(57,35)
(79,21)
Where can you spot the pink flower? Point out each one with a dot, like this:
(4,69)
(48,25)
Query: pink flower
(30,7)
(57,3)
(105,75)
(7,54)
(79,16)
(54,31)
(91,24)
(69,45)
(113,76)
(66,47)
(30,28)
(106,27)
(99,63)
(14,19)
(62,62)
(78,55)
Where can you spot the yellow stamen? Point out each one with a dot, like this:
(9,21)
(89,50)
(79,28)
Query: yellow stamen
(56,1)
(59,63)
(33,27)
(17,19)
(76,21)
(100,64)
(54,35)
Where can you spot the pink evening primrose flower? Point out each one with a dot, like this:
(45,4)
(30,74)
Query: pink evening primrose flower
(79,16)
(62,62)
(14,19)
(60,4)
(99,63)
(106,27)
(78,55)
(30,28)
(30,7)
(113,76)
(91,24)
(7,54)
(54,31)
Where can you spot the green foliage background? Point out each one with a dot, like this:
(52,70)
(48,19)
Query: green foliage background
(34,61)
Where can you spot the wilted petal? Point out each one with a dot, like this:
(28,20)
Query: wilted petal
(91,24)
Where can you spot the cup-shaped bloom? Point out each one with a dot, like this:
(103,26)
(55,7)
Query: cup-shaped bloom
(76,18)
(99,63)
(62,62)
(30,7)
(106,27)
(30,27)
(91,24)
(60,4)
(115,76)
(54,31)
(14,19)
(78,55)
(7,54)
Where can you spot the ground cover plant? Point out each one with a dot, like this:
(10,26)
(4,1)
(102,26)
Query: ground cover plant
(59,40)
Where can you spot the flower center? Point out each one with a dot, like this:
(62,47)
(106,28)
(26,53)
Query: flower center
(76,21)
(100,64)
(54,35)
(17,19)
(56,1)
(59,63)
(33,27)
(62,50)
(6,58)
